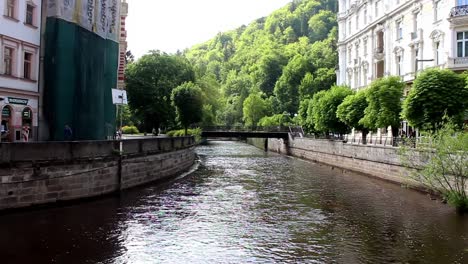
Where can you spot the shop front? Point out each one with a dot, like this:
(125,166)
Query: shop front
(18,119)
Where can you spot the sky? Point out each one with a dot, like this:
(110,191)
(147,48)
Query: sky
(171,25)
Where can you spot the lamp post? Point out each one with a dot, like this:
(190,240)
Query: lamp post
(416,65)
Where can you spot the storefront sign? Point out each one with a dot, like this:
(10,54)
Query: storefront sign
(20,101)
(26,113)
(6,112)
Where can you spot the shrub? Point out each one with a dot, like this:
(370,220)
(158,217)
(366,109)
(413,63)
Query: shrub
(196,132)
(442,162)
(130,130)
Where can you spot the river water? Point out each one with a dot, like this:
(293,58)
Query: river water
(244,206)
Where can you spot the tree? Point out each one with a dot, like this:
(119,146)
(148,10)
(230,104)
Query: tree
(286,89)
(442,161)
(255,107)
(351,111)
(324,110)
(434,93)
(187,99)
(150,81)
(275,120)
(384,98)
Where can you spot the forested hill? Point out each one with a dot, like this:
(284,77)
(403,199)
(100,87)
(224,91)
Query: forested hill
(275,63)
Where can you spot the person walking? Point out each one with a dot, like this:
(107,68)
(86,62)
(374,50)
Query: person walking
(68,133)
(25,133)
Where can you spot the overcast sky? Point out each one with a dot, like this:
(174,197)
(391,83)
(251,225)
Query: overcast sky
(171,25)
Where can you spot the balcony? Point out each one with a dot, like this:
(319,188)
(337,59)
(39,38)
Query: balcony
(418,35)
(459,11)
(379,53)
(458,63)
(459,15)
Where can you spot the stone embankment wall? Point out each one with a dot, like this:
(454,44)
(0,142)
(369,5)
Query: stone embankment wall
(39,173)
(373,160)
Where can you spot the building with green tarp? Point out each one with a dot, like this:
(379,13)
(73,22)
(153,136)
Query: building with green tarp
(80,67)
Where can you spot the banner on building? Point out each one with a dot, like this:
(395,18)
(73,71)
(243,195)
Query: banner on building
(99,16)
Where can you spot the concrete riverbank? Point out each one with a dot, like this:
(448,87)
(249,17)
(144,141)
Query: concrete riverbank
(48,172)
(381,162)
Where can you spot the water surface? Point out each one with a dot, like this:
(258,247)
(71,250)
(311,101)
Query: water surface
(244,206)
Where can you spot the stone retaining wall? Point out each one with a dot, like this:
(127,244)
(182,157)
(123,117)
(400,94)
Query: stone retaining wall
(39,173)
(377,161)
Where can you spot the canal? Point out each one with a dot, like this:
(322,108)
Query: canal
(244,206)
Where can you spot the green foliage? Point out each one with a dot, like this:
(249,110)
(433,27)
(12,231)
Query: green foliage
(286,89)
(434,93)
(302,117)
(325,105)
(321,24)
(384,98)
(275,120)
(187,99)
(442,159)
(289,56)
(196,132)
(255,107)
(130,130)
(351,110)
(150,81)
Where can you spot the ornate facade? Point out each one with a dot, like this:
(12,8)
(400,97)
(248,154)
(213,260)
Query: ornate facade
(400,37)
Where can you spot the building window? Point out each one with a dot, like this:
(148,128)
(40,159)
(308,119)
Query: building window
(462,2)
(8,61)
(414,35)
(357,55)
(10,8)
(27,65)
(29,14)
(349,26)
(377,4)
(398,65)
(399,30)
(462,44)
(365,15)
(357,21)
(436,51)
(365,76)
(415,58)
(349,56)
(364,46)
(436,11)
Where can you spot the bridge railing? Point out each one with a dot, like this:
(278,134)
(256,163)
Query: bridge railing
(246,129)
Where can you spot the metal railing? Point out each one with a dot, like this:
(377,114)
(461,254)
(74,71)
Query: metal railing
(459,11)
(382,140)
(246,129)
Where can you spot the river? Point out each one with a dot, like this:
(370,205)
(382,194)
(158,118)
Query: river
(243,205)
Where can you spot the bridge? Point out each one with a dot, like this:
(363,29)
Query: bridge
(251,132)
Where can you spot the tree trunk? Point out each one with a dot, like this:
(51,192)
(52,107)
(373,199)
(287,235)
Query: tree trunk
(364,136)
(186,128)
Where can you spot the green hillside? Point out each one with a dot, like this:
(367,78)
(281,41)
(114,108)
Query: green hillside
(279,61)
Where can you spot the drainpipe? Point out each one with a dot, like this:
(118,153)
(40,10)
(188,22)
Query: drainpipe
(43,127)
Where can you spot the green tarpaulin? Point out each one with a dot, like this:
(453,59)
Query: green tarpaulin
(80,71)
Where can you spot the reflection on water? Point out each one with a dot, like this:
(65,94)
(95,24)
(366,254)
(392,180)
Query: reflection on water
(245,206)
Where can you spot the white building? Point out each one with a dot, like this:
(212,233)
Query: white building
(400,37)
(20,22)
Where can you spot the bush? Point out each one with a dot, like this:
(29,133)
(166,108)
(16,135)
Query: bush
(196,132)
(130,130)
(444,154)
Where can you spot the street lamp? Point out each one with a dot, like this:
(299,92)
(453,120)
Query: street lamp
(416,65)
